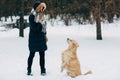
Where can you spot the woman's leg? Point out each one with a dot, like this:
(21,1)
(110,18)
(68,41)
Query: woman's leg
(29,62)
(42,62)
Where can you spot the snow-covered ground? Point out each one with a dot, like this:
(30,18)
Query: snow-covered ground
(102,57)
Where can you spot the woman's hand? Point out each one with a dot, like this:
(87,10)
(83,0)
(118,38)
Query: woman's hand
(41,18)
(46,39)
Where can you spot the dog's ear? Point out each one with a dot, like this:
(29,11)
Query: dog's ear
(75,45)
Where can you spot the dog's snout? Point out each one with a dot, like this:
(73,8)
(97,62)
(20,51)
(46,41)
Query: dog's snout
(68,39)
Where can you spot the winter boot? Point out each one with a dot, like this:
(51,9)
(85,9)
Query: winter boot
(28,71)
(43,72)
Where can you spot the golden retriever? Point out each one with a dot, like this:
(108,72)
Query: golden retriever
(70,60)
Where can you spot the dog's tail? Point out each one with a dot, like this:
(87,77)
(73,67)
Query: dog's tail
(88,72)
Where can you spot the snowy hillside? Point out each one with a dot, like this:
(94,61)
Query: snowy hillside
(102,57)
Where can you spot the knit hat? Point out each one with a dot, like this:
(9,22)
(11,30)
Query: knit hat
(36,4)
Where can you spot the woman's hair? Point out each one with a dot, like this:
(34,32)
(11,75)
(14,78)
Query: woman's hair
(41,7)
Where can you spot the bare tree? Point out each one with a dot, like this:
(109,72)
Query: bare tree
(21,30)
(98,20)
(96,11)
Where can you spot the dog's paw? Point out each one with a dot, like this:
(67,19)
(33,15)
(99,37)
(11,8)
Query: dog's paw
(61,69)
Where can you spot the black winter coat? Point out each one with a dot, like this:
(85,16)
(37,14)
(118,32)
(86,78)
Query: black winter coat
(37,39)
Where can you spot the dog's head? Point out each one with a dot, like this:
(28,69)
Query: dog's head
(41,7)
(72,43)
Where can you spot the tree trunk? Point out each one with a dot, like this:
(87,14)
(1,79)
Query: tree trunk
(11,18)
(21,30)
(5,19)
(98,22)
(98,25)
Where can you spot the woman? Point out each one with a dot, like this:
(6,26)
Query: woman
(37,38)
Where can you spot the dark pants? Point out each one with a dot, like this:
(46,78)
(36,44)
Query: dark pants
(41,59)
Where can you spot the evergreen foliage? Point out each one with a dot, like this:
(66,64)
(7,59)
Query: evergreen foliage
(80,10)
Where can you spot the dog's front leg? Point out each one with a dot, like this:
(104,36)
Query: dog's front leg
(62,67)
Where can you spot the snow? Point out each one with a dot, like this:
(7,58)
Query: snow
(100,56)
